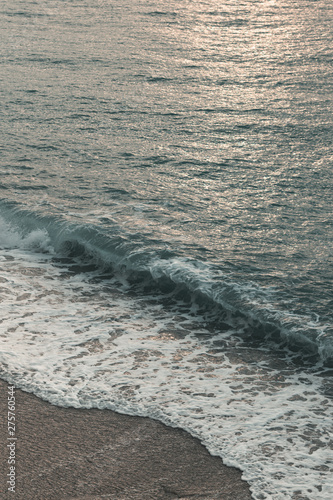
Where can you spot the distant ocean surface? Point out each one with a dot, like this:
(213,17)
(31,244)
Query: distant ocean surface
(166,221)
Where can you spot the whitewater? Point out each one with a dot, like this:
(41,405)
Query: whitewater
(166,222)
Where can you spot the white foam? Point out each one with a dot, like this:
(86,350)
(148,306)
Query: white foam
(37,240)
(75,343)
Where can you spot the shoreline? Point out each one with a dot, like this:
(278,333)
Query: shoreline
(66,453)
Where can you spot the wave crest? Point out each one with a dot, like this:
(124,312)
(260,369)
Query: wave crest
(253,311)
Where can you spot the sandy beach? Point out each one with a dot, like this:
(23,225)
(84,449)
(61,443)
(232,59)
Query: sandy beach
(67,453)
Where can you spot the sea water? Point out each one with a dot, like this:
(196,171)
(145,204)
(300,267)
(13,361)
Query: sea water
(166,221)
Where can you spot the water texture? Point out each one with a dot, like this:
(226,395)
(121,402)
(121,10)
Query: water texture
(166,221)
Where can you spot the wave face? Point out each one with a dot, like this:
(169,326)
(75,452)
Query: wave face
(166,222)
(243,305)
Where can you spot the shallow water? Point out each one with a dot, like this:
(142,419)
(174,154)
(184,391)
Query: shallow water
(165,216)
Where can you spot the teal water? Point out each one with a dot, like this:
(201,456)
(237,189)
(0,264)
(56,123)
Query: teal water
(165,208)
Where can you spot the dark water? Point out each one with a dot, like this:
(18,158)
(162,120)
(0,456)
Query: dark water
(166,221)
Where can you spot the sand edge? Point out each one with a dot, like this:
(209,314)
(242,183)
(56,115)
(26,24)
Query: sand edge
(66,453)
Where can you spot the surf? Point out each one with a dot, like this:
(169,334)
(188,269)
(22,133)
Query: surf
(148,268)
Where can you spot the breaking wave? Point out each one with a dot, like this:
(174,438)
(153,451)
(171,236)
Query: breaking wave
(148,267)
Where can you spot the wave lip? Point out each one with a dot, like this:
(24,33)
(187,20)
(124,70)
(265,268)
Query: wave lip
(253,310)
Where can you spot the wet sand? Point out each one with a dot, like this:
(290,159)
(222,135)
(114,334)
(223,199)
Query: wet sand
(67,453)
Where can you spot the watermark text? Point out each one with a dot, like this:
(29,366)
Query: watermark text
(11,439)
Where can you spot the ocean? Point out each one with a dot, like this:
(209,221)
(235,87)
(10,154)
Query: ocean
(166,221)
